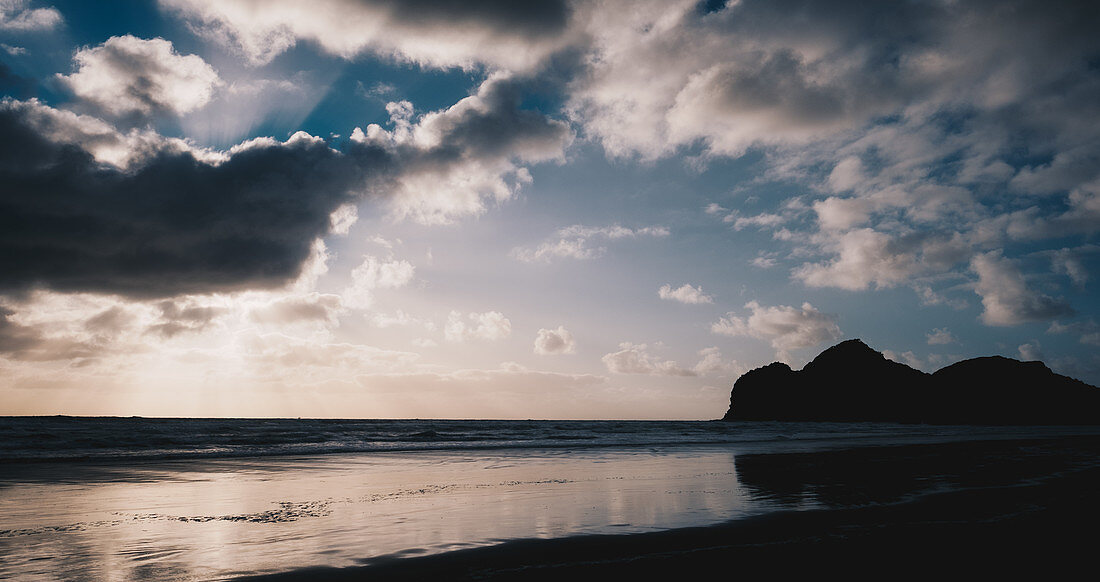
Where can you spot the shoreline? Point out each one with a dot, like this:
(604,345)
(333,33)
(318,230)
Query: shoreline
(1021,508)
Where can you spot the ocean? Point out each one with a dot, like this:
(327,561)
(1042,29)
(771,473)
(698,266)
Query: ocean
(214,499)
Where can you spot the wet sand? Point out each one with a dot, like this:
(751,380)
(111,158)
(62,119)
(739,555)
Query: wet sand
(217,519)
(996,508)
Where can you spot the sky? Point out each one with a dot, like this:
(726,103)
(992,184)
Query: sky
(541,209)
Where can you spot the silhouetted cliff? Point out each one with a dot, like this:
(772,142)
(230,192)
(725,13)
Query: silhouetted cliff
(850,382)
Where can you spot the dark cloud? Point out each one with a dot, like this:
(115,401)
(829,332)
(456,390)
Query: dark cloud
(15,337)
(168,219)
(24,342)
(531,18)
(492,125)
(174,224)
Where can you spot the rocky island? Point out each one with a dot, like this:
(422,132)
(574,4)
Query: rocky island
(851,382)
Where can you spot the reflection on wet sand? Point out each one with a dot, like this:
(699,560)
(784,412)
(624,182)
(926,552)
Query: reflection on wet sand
(218,518)
(883,475)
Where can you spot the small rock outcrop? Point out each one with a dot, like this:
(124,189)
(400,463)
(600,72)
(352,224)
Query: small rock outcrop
(851,382)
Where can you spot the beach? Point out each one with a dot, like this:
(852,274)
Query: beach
(786,497)
(1007,508)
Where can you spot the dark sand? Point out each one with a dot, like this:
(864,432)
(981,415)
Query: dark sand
(991,508)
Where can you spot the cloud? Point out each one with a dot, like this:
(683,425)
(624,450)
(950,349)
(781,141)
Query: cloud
(29,343)
(1031,351)
(455,159)
(1071,262)
(430,33)
(312,307)
(374,273)
(280,355)
(895,139)
(635,359)
(764,262)
(130,76)
(178,317)
(713,363)
(940,336)
(343,218)
(907,357)
(78,328)
(176,220)
(1088,332)
(160,217)
(684,294)
(488,326)
(1005,296)
(16,17)
(581,242)
(552,342)
(401,319)
(786,327)
(866,257)
(665,76)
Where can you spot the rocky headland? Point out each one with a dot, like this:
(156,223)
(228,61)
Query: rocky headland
(851,382)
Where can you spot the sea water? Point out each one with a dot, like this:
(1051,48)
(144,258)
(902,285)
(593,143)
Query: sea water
(209,499)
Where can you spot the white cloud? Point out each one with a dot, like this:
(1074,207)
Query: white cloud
(277,355)
(940,336)
(311,307)
(784,326)
(866,257)
(847,174)
(430,34)
(459,159)
(488,326)
(684,294)
(16,16)
(929,296)
(907,357)
(101,139)
(842,213)
(1005,296)
(582,242)
(765,220)
(343,218)
(399,319)
(635,359)
(550,342)
(713,363)
(374,273)
(1031,351)
(127,75)
(1071,262)
(807,87)
(14,51)
(764,262)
